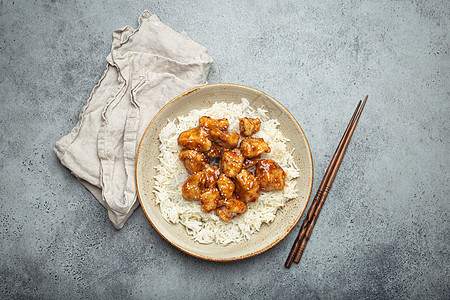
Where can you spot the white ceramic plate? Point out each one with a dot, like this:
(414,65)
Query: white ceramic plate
(147,159)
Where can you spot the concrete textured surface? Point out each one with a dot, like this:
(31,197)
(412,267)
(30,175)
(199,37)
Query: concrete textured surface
(384,230)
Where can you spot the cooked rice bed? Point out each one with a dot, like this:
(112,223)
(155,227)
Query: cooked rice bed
(208,227)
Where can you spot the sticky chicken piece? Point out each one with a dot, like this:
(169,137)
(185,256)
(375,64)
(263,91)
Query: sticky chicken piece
(247,187)
(193,186)
(248,126)
(192,160)
(252,147)
(215,151)
(270,175)
(195,139)
(231,208)
(231,162)
(227,140)
(209,199)
(212,174)
(226,186)
(250,162)
(209,123)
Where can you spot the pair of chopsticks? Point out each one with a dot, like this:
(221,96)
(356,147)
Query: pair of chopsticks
(313,212)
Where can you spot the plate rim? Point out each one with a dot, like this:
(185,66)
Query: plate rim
(267,247)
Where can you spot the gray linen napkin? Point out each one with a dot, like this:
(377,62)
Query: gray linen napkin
(147,67)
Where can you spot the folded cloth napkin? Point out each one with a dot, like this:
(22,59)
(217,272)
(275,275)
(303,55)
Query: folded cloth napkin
(147,67)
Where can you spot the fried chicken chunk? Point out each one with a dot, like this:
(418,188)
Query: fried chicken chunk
(231,162)
(252,147)
(209,123)
(270,175)
(247,187)
(227,140)
(192,160)
(193,186)
(215,151)
(248,126)
(231,208)
(209,199)
(195,139)
(226,186)
(212,174)
(250,162)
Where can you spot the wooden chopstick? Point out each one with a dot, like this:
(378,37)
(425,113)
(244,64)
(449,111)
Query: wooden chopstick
(325,185)
(319,193)
(327,188)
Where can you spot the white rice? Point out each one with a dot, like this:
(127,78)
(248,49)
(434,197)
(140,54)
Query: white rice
(208,227)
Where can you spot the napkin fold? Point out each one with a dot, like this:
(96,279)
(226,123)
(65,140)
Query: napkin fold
(146,68)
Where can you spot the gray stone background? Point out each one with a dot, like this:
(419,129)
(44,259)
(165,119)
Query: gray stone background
(384,230)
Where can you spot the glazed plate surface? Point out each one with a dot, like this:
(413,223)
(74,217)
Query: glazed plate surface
(147,158)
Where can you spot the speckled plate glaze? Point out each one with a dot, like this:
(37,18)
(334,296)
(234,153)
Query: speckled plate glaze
(147,158)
